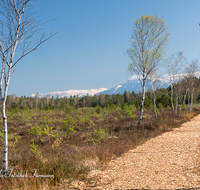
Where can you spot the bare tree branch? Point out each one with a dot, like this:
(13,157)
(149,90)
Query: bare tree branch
(18,27)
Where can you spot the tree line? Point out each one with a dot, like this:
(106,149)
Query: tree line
(183,94)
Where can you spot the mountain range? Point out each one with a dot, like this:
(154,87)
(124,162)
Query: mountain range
(132,84)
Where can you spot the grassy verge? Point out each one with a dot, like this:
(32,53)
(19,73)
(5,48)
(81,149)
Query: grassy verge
(70,143)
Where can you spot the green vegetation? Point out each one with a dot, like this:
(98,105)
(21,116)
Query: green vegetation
(60,137)
(35,149)
(99,135)
(11,139)
(59,143)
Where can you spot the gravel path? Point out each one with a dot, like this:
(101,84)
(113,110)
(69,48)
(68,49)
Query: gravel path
(168,161)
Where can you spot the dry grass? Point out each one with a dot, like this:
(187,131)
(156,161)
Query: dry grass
(81,149)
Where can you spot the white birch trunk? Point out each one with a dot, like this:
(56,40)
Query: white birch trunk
(176,104)
(13,31)
(191,99)
(3,104)
(172,97)
(4,96)
(36,102)
(184,98)
(5,153)
(3,101)
(188,99)
(142,101)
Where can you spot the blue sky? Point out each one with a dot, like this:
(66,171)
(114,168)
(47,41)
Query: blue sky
(94,34)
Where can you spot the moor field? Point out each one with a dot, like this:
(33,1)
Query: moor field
(69,143)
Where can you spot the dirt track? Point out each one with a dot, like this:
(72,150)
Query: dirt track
(168,161)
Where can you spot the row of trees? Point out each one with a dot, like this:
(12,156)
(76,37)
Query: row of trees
(182,83)
(159,97)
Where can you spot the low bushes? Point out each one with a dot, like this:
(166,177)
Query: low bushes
(59,144)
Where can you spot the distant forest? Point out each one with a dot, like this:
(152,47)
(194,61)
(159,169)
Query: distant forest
(181,97)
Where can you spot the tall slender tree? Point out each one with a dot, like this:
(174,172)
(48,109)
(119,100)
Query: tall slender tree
(18,26)
(155,84)
(174,68)
(149,39)
(191,70)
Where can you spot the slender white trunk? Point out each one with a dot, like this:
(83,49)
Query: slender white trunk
(176,104)
(179,100)
(36,102)
(184,98)
(142,101)
(5,159)
(3,101)
(191,99)
(172,97)
(12,33)
(4,96)
(5,154)
(188,99)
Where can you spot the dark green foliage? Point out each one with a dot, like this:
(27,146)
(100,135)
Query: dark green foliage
(14,105)
(98,110)
(69,109)
(135,102)
(125,96)
(24,108)
(165,100)
(148,103)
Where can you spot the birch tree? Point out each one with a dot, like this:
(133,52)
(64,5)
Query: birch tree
(191,70)
(184,91)
(178,89)
(155,84)
(149,39)
(175,67)
(37,98)
(18,28)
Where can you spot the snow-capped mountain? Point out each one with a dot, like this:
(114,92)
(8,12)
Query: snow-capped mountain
(130,85)
(133,84)
(69,93)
